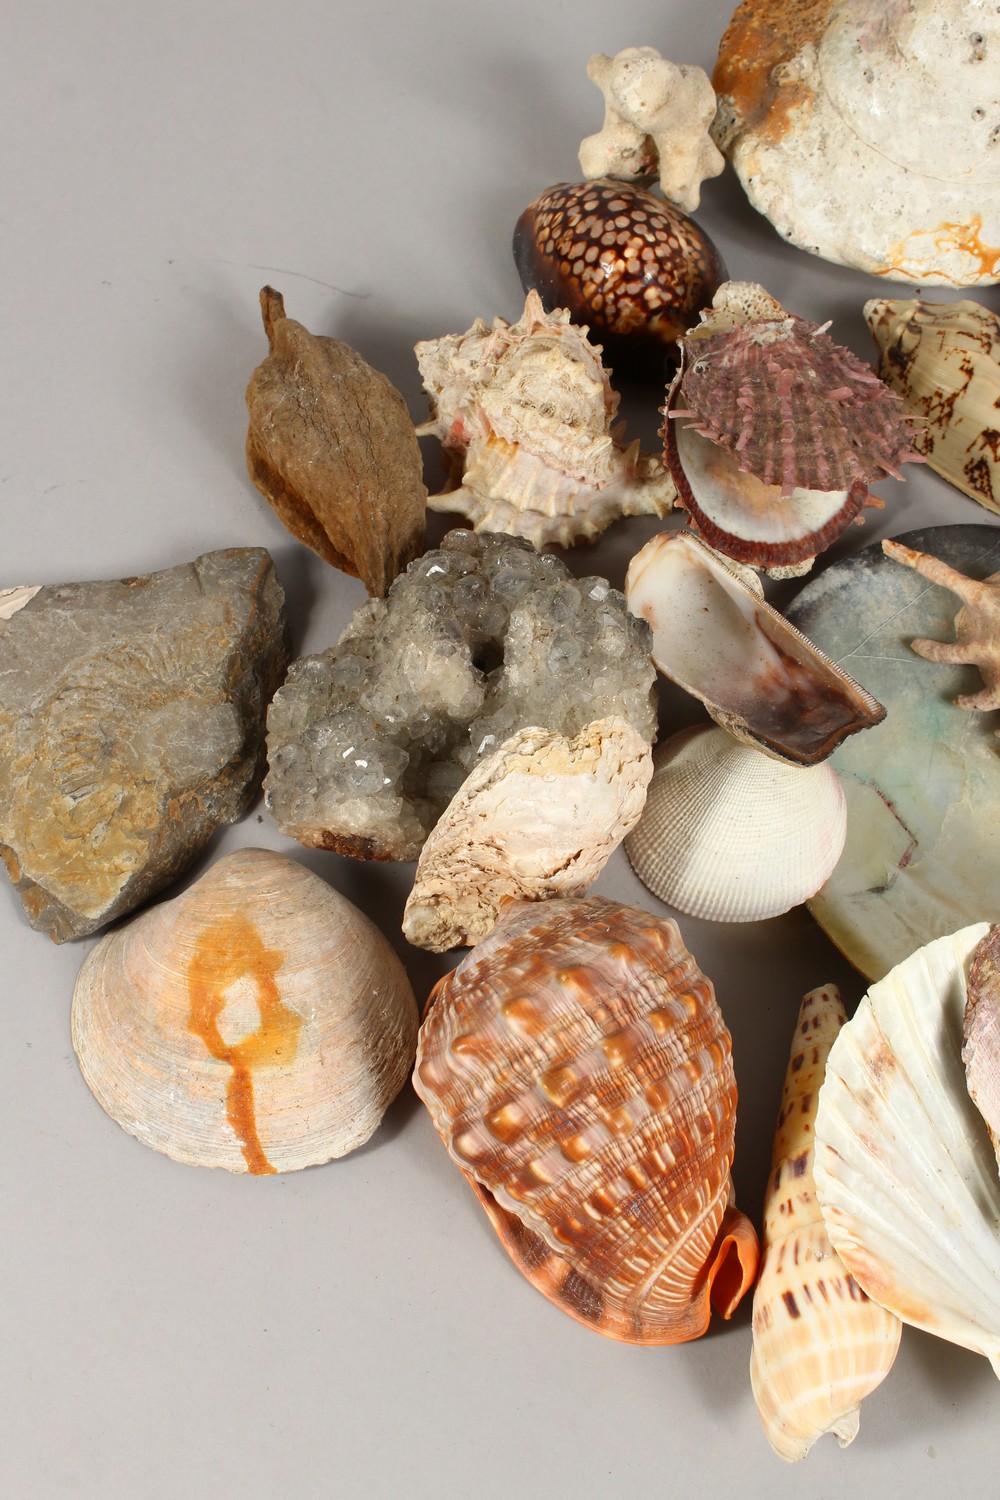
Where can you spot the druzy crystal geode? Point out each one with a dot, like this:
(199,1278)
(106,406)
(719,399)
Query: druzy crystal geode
(369,740)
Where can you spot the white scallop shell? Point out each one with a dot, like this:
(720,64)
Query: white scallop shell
(905,1172)
(732,835)
(820,1345)
(258,1021)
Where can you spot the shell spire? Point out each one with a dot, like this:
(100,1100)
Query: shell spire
(819,1343)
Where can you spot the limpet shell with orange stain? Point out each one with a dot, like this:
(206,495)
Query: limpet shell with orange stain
(577,1067)
(257,1022)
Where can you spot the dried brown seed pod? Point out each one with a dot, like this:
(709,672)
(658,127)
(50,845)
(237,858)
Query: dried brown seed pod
(332,449)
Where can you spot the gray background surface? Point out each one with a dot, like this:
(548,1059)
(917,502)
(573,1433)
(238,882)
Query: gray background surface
(353,1330)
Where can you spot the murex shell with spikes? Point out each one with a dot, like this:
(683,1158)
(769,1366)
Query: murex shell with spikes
(774,431)
(577,1068)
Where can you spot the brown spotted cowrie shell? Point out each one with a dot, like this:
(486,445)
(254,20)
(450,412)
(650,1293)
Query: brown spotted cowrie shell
(578,1069)
(629,265)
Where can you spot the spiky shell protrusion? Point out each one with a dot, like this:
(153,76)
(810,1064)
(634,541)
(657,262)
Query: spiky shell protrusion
(820,1345)
(905,1172)
(774,431)
(577,1068)
(732,835)
(526,414)
(257,1022)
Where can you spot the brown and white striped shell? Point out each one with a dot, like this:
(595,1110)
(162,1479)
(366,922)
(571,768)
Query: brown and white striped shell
(577,1068)
(820,1345)
(258,1021)
(774,432)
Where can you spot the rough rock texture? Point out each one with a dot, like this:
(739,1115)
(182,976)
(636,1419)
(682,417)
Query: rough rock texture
(369,741)
(539,817)
(131,725)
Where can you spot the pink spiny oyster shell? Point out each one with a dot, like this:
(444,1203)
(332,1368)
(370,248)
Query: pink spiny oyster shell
(793,407)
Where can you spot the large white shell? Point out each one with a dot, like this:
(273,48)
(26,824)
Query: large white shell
(538,818)
(526,416)
(905,1172)
(820,1345)
(731,834)
(866,130)
(944,360)
(258,1021)
(757,675)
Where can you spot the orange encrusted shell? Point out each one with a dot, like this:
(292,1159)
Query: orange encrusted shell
(578,1069)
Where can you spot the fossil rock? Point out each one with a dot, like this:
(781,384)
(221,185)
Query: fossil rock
(539,817)
(331,448)
(369,741)
(131,726)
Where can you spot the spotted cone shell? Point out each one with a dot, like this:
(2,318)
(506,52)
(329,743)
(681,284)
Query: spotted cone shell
(577,1068)
(819,1344)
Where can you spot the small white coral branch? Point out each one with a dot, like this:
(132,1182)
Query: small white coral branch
(656,118)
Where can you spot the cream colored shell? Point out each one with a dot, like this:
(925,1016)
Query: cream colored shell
(656,119)
(866,130)
(905,1172)
(820,1345)
(759,677)
(526,416)
(11,600)
(539,817)
(257,1022)
(944,360)
(981,1032)
(732,835)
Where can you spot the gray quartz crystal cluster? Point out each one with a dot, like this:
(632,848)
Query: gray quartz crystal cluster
(370,740)
(131,726)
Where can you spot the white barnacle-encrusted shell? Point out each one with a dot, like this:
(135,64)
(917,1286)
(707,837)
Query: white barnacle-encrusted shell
(905,1172)
(820,1345)
(257,1022)
(732,835)
(758,676)
(538,818)
(867,130)
(944,360)
(526,415)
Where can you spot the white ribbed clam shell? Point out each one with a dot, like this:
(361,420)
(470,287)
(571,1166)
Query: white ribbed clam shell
(258,1021)
(820,1345)
(905,1172)
(732,835)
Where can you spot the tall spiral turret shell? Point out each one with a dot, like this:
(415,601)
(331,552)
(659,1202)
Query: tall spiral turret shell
(820,1345)
(577,1068)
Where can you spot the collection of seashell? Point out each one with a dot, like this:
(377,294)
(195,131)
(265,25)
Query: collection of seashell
(576,1063)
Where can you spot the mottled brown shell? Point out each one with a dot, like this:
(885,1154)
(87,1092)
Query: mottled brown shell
(578,1069)
(632,267)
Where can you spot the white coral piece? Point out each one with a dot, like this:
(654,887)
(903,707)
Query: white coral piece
(537,818)
(526,415)
(657,116)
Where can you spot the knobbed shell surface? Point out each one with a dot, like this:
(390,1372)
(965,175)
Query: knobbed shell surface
(820,1345)
(257,1022)
(526,417)
(944,360)
(865,130)
(732,835)
(758,676)
(905,1172)
(577,1068)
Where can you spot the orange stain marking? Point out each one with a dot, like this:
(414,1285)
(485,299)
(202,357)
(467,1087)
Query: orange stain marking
(228,951)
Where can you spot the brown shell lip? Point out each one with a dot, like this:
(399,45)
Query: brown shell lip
(745,549)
